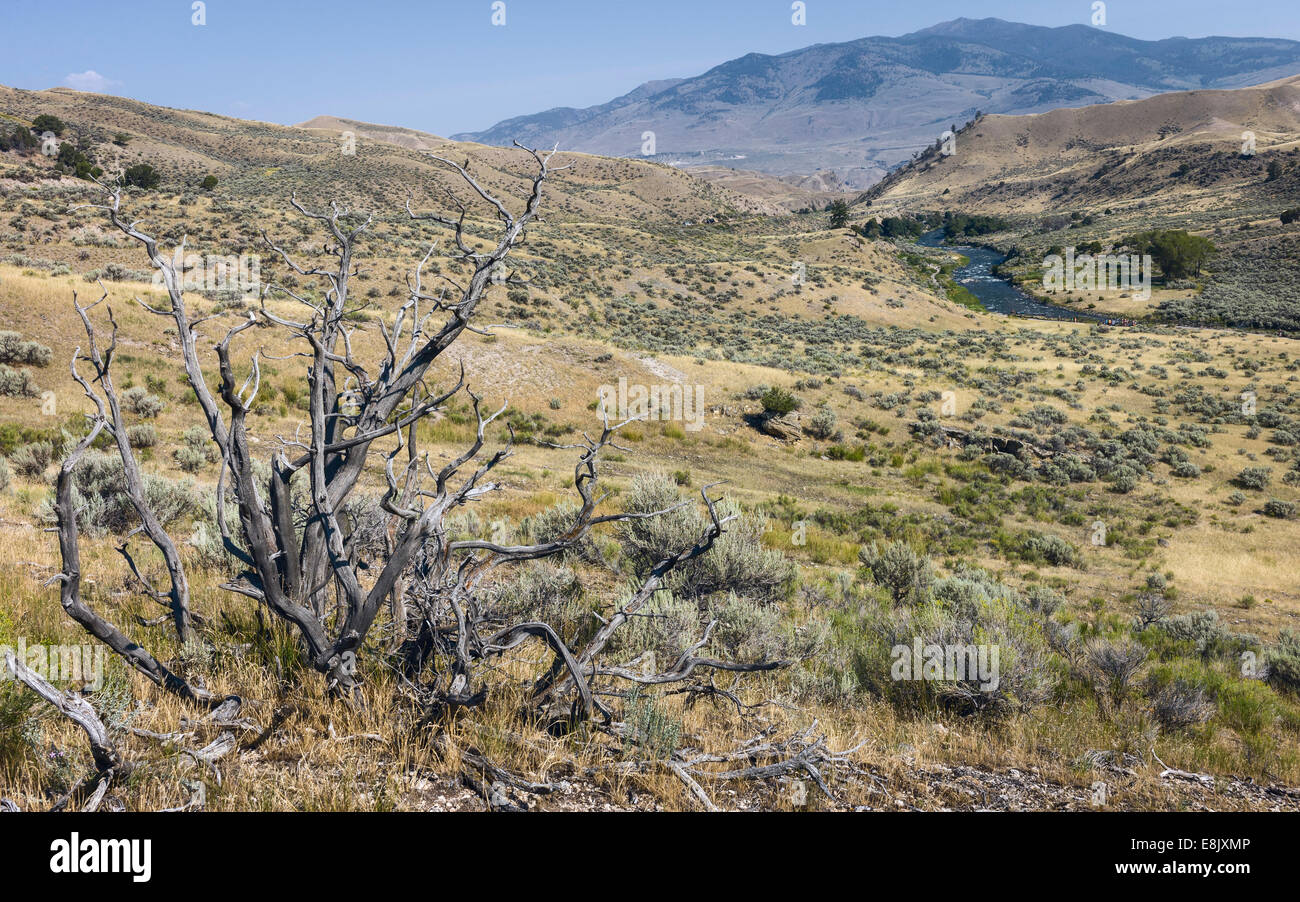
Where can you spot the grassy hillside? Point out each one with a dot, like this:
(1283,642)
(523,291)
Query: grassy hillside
(1138,430)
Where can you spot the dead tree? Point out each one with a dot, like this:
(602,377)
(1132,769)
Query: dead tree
(108,416)
(65,512)
(302,563)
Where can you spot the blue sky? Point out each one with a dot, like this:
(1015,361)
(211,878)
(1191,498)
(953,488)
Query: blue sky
(442,66)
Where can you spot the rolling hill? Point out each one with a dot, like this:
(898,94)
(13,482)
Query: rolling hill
(1112,152)
(258,160)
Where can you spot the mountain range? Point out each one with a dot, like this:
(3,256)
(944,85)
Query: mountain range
(861,107)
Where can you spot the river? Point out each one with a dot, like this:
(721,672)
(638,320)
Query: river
(995,294)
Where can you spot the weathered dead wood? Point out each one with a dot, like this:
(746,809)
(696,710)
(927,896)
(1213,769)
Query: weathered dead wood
(1173,773)
(108,760)
(214,751)
(547,687)
(696,789)
(110,410)
(198,796)
(96,797)
(803,752)
(70,578)
(686,664)
(306,563)
(351,405)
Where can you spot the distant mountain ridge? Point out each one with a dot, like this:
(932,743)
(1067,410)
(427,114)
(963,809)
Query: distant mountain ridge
(863,106)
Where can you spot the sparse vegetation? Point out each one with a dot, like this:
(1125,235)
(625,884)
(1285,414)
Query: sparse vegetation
(1096,501)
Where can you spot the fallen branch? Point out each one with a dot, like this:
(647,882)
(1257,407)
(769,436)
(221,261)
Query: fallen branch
(696,789)
(1173,773)
(79,711)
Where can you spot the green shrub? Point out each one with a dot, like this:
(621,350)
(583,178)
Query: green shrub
(1283,661)
(900,570)
(47,122)
(778,402)
(141,175)
(653,733)
(738,562)
(19,736)
(857,453)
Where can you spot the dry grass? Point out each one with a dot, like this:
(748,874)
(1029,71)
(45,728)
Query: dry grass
(618,228)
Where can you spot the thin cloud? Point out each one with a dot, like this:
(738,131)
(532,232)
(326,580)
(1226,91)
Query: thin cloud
(90,80)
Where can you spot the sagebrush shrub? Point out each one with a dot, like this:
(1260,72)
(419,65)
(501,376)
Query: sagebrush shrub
(1253,478)
(543,591)
(99,493)
(1207,634)
(1041,547)
(140,402)
(1283,661)
(552,523)
(1113,667)
(738,562)
(1281,510)
(16,351)
(968,609)
(17,383)
(33,459)
(190,460)
(142,436)
(821,425)
(899,569)
(1177,703)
